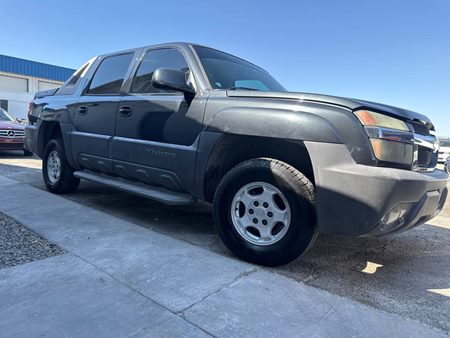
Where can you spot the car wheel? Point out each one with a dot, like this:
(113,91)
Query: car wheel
(27,153)
(58,175)
(264,211)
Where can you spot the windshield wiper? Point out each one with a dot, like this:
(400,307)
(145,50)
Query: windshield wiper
(243,88)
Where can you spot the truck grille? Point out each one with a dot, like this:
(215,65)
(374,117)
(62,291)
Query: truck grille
(420,128)
(11,133)
(425,148)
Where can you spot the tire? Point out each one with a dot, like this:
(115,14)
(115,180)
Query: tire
(61,183)
(275,186)
(27,153)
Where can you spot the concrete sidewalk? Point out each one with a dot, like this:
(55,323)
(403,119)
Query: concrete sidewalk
(122,280)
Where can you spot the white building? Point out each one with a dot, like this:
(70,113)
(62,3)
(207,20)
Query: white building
(20,79)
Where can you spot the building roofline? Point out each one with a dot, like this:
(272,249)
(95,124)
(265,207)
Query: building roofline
(14,65)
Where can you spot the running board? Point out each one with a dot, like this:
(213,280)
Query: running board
(155,193)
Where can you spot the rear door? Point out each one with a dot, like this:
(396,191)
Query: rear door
(95,113)
(157,129)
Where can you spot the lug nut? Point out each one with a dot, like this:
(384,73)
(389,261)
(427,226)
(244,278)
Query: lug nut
(270,214)
(255,220)
(256,203)
(265,205)
(264,222)
(251,211)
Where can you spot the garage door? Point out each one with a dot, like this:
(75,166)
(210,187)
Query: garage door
(44,85)
(13,84)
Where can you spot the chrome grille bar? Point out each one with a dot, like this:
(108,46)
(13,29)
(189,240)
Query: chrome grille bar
(11,133)
(426,149)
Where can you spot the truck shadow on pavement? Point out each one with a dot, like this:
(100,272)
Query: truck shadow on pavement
(407,273)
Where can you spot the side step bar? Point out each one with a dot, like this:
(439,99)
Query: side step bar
(155,193)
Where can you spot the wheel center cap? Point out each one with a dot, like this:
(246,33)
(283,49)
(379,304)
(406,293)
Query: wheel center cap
(260,212)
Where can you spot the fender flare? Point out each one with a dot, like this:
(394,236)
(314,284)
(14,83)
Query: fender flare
(276,123)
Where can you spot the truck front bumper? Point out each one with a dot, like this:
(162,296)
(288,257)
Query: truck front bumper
(360,200)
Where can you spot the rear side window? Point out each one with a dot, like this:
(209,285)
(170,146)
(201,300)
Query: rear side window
(70,86)
(77,75)
(160,58)
(110,75)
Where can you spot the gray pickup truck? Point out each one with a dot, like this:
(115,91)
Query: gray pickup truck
(181,122)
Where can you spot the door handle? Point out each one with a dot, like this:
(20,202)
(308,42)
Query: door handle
(82,110)
(125,111)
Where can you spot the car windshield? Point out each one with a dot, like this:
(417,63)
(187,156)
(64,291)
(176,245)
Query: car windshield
(225,71)
(4,116)
(445,143)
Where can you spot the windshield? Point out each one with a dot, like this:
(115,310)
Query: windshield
(445,143)
(225,71)
(4,116)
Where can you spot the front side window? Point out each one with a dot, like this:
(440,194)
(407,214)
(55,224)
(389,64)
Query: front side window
(4,116)
(109,76)
(225,71)
(159,58)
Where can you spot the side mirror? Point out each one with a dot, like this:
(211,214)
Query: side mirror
(172,79)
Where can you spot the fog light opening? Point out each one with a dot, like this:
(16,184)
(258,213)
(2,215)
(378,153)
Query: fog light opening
(395,217)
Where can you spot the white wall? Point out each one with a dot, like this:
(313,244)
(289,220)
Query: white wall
(12,89)
(17,103)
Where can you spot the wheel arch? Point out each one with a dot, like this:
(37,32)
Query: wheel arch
(47,130)
(232,149)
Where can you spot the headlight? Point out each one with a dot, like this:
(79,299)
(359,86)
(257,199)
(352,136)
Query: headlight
(370,118)
(391,139)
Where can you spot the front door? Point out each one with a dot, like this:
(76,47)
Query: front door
(157,129)
(95,114)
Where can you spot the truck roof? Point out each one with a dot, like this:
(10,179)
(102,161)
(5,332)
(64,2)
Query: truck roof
(174,44)
(166,44)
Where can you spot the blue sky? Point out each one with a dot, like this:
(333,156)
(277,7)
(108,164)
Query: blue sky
(392,51)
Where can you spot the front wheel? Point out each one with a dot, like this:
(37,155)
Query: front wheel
(264,211)
(58,175)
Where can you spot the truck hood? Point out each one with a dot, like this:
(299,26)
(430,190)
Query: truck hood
(11,125)
(338,101)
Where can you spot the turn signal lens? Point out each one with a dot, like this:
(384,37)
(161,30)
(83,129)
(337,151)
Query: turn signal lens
(394,152)
(370,118)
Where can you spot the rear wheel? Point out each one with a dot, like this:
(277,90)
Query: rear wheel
(264,211)
(58,175)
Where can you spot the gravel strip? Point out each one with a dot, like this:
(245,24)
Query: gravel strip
(19,245)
